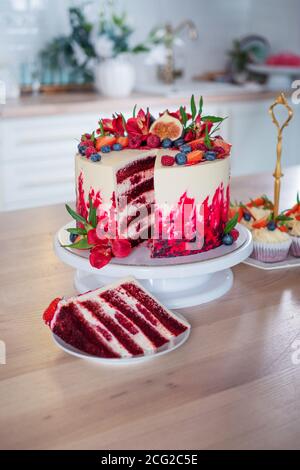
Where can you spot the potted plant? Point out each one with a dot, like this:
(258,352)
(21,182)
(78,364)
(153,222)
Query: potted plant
(114,73)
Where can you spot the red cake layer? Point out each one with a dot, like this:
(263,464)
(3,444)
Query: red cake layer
(120,321)
(135,167)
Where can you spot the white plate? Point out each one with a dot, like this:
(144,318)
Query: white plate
(171,346)
(290,262)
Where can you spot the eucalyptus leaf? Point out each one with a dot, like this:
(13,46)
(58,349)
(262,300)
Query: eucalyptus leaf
(231,224)
(183,116)
(212,119)
(193,107)
(92,214)
(200,105)
(134,111)
(80,245)
(207,141)
(77,231)
(74,215)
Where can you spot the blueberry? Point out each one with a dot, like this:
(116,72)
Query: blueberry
(117,147)
(82,149)
(181,158)
(227,239)
(247,216)
(271,226)
(166,143)
(73,237)
(179,142)
(105,149)
(95,157)
(185,148)
(210,155)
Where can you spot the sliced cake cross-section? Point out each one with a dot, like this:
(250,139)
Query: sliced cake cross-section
(121,320)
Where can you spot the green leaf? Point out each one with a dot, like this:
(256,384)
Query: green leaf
(283,218)
(77,231)
(80,245)
(298,197)
(74,215)
(200,105)
(231,224)
(193,107)
(92,213)
(183,116)
(134,111)
(101,127)
(212,119)
(207,141)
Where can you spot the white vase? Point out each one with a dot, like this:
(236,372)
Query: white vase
(115,77)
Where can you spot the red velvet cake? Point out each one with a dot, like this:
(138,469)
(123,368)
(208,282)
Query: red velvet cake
(121,320)
(164,181)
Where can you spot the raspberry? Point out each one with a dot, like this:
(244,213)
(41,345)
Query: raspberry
(153,141)
(89,151)
(235,234)
(135,141)
(167,160)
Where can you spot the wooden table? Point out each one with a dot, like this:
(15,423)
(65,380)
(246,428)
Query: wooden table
(232,385)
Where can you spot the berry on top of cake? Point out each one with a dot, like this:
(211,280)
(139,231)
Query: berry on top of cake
(120,320)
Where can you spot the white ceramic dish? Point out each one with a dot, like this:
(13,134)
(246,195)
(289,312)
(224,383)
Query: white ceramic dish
(171,346)
(290,262)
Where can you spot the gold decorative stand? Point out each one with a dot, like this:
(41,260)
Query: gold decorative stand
(280,100)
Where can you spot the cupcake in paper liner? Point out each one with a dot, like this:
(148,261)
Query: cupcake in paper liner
(294,227)
(294,231)
(270,246)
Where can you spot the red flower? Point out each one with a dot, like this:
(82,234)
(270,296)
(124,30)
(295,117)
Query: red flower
(139,125)
(121,248)
(100,256)
(177,114)
(114,126)
(190,135)
(201,126)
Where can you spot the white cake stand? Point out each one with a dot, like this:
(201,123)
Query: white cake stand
(177,282)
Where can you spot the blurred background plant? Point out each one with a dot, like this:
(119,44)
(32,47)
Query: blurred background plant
(114,36)
(69,59)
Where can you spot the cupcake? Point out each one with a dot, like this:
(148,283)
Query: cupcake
(271,241)
(294,227)
(254,210)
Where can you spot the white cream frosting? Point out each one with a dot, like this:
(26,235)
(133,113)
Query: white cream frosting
(294,226)
(263,235)
(170,183)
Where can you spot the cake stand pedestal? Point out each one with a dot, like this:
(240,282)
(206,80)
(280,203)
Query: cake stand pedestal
(177,282)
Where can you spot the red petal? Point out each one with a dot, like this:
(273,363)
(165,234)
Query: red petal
(100,256)
(50,311)
(120,248)
(92,237)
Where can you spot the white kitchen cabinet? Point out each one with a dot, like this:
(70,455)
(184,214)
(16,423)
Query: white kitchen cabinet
(37,153)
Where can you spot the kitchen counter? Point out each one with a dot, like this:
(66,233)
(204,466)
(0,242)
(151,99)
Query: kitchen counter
(78,103)
(232,385)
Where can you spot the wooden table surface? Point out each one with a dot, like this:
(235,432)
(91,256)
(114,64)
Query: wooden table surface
(232,385)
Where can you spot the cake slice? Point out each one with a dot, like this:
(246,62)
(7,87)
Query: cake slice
(121,320)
